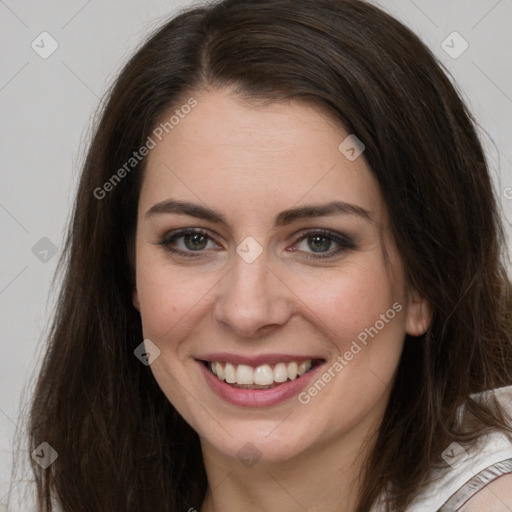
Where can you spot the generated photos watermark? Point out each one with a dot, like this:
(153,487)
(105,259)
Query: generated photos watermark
(343,360)
(151,142)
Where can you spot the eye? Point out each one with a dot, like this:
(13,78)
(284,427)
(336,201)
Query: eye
(188,241)
(323,244)
(316,244)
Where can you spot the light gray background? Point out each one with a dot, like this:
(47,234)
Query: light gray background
(46,106)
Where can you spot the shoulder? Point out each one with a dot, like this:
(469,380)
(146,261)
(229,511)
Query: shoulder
(495,497)
(477,477)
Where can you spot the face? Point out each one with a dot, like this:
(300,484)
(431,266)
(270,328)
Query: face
(264,254)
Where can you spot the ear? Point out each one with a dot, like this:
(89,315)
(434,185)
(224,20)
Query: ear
(135,300)
(419,315)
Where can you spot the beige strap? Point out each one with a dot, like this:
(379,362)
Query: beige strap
(477,483)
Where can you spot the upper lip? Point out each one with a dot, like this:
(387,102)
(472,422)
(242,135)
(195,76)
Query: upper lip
(256,360)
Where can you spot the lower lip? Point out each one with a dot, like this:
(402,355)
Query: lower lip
(258,397)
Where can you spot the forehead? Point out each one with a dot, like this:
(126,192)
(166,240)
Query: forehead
(232,155)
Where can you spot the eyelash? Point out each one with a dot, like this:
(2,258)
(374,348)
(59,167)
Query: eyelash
(344,242)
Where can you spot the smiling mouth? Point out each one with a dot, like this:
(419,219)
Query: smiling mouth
(265,376)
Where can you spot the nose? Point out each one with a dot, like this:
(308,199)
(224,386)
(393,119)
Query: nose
(252,299)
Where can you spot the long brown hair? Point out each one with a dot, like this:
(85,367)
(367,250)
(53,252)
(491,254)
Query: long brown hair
(121,444)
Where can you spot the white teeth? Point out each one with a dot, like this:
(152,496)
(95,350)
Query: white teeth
(304,367)
(244,374)
(229,373)
(219,371)
(280,372)
(262,375)
(292,370)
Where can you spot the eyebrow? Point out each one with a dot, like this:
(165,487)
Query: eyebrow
(172,206)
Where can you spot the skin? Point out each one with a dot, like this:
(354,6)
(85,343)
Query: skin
(251,163)
(495,497)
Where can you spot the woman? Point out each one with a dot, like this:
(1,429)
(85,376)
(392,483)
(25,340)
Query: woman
(284,287)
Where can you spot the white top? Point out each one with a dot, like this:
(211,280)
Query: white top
(469,470)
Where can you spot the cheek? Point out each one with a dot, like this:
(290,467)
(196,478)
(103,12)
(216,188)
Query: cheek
(350,300)
(169,296)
